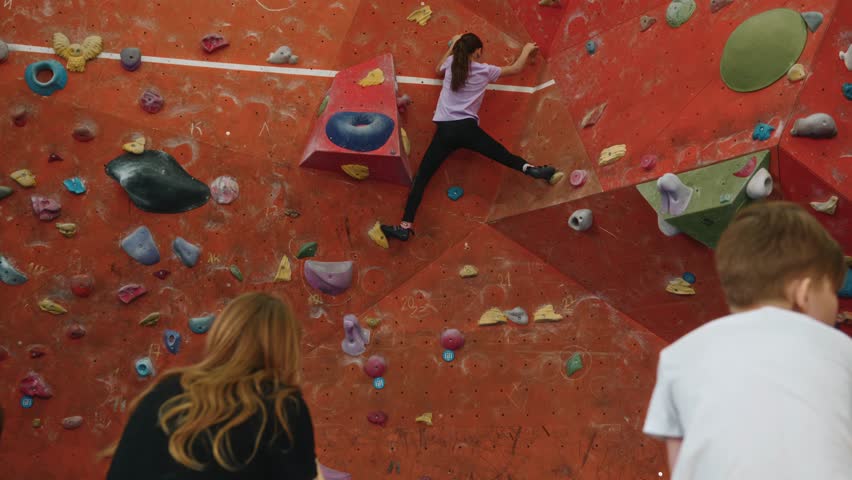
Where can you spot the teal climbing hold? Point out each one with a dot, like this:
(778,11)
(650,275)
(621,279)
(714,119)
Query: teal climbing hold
(591,47)
(144,367)
(455,193)
(847,91)
(762,132)
(846,290)
(201,324)
(574,364)
(235,271)
(75,185)
(689,277)
(308,250)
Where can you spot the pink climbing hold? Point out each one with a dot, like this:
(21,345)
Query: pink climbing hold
(375,366)
(76,331)
(403,102)
(648,161)
(71,423)
(452,339)
(82,285)
(45,209)
(578,178)
(131,292)
(54,158)
(224,190)
(747,169)
(162,274)
(212,42)
(37,351)
(378,417)
(34,385)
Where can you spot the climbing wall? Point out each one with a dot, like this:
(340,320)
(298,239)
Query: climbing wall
(507,405)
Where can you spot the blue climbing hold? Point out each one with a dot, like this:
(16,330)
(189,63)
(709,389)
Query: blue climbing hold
(455,193)
(186,252)
(27,401)
(846,290)
(762,131)
(59,77)
(847,91)
(141,247)
(359,131)
(689,277)
(379,383)
(75,185)
(591,47)
(201,324)
(449,355)
(144,367)
(172,340)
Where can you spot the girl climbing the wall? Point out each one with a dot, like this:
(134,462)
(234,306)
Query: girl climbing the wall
(457,119)
(238,413)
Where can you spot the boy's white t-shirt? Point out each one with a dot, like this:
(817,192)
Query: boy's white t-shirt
(763,394)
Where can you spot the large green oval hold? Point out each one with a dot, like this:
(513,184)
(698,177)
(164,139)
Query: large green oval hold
(762,49)
(679,12)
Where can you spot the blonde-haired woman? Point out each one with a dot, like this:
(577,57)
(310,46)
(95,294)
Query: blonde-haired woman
(237,414)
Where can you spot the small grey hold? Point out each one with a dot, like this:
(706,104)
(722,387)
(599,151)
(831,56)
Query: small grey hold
(294,59)
(646,22)
(4,51)
(131,58)
(186,252)
(9,274)
(581,220)
(813,19)
(818,125)
(517,315)
(283,55)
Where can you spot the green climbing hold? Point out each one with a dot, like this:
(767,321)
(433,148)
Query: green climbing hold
(762,49)
(235,271)
(679,12)
(308,250)
(574,364)
(323,106)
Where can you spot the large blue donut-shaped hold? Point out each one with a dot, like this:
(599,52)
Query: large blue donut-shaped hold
(359,131)
(46,89)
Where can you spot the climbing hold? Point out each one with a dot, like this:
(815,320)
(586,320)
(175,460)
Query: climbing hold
(674,195)
(679,286)
(452,339)
(374,77)
(545,313)
(846,290)
(646,22)
(716,5)
(421,16)
(818,125)
(689,277)
(162,274)
(37,351)
(283,55)
(141,247)
(45,209)
(455,193)
(425,418)
(492,317)
(813,20)
(77,54)
(75,331)
(85,132)
(49,306)
(75,185)
(847,58)
(225,190)
(581,220)
(828,207)
(406,143)
(34,385)
(137,146)
(403,102)
(591,47)
(131,292)
(377,418)
(144,367)
(517,316)
(67,229)
(468,271)
(760,185)
(611,154)
(54,158)
(24,177)
(359,131)
(578,178)
(151,101)
(593,115)
(201,324)
(648,161)
(71,423)
(847,90)
(131,58)
(188,253)
(4,51)
(291,213)
(26,401)
(307,250)
(5,192)
(762,131)
(548,3)
(150,320)
(726,198)
(379,383)
(19,115)
(358,172)
(235,271)
(284,273)
(37,423)
(58,77)
(747,169)
(171,339)
(157,183)
(679,12)
(332,474)
(375,366)
(574,364)
(82,285)
(212,42)
(356,339)
(377,236)
(331,278)
(9,274)
(373,322)
(323,106)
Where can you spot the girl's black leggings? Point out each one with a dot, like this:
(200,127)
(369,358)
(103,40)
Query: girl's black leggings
(449,137)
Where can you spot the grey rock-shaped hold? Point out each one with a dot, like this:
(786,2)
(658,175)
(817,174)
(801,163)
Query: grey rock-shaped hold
(4,51)
(679,12)
(141,247)
(813,19)
(186,252)
(157,183)
(667,228)
(356,338)
(674,195)
(581,220)
(9,274)
(131,59)
(760,185)
(818,125)
(716,5)
(283,55)
(646,22)
(517,315)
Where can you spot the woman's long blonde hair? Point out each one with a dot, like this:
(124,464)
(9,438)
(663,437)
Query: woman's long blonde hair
(252,357)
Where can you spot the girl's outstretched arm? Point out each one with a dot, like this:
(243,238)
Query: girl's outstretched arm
(521,62)
(449,52)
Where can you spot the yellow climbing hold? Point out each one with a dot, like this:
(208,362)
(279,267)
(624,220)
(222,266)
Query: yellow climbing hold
(679,286)
(373,322)
(378,236)
(285,273)
(796,72)
(49,306)
(375,77)
(492,317)
(24,177)
(611,154)
(425,418)
(468,271)
(67,229)
(421,15)
(358,172)
(827,207)
(150,320)
(137,146)
(546,314)
(406,143)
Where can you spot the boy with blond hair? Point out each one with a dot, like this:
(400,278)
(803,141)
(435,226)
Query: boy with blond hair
(766,392)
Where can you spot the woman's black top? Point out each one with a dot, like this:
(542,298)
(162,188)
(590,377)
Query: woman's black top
(143,451)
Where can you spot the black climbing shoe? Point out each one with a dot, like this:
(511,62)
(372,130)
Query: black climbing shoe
(397,232)
(546,172)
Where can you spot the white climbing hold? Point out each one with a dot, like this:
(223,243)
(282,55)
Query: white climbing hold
(667,228)
(847,57)
(828,207)
(760,185)
(581,220)
(674,194)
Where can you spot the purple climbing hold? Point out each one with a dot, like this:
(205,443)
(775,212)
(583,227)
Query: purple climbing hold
(212,42)
(85,132)
(54,158)
(186,252)
(331,278)
(378,417)
(332,474)
(452,339)
(162,274)
(70,423)
(131,59)
(356,339)
(151,101)
(37,351)
(46,209)
(131,292)
(375,366)
(172,340)
(76,331)
(225,190)
(34,385)
(674,195)
(141,247)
